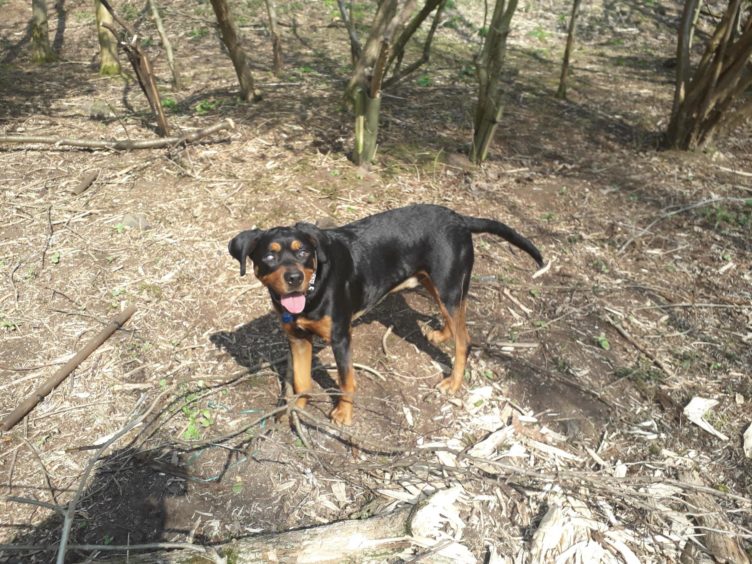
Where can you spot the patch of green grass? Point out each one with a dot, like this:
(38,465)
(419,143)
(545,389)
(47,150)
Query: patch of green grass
(548,216)
(170,104)
(424,80)
(198,33)
(7,324)
(206,106)
(128,11)
(539,33)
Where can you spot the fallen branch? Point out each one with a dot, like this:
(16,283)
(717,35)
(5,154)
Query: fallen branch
(712,526)
(121,144)
(31,402)
(640,347)
(375,537)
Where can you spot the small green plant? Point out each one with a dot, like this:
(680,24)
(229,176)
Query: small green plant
(108,540)
(206,106)
(129,11)
(539,33)
(55,257)
(534,292)
(600,266)
(424,80)
(197,33)
(548,216)
(6,324)
(198,418)
(237,488)
(119,228)
(170,104)
(603,342)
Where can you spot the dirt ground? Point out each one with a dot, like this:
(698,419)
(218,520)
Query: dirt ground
(647,302)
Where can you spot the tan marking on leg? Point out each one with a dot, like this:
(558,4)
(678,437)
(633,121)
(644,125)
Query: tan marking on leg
(443,334)
(342,414)
(301,349)
(462,346)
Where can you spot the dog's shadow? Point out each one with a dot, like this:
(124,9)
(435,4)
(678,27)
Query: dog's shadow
(261,342)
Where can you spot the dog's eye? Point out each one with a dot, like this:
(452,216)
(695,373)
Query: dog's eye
(270,257)
(303,253)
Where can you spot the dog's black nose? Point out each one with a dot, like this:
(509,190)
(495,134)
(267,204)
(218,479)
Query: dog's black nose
(293,277)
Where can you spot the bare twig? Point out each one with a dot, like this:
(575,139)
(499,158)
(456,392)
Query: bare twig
(121,144)
(639,346)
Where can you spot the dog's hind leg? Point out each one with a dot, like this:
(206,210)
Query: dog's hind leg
(453,307)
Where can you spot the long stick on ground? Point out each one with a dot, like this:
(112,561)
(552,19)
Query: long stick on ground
(121,144)
(31,402)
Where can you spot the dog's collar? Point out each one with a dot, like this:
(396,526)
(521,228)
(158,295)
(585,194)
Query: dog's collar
(311,283)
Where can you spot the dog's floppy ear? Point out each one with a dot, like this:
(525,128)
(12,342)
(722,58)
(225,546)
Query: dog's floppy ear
(317,238)
(242,245)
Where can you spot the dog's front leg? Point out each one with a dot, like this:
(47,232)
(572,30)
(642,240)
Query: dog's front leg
(342,413)
(301,355)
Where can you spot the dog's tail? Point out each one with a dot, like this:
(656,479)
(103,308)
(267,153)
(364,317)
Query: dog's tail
(481,225)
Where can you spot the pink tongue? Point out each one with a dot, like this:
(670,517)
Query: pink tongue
(294,303)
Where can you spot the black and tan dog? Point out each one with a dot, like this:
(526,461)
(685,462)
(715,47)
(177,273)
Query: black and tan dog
(320,280)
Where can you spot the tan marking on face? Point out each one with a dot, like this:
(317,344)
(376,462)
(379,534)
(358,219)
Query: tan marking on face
(296,245)
(275,281)
(275,247)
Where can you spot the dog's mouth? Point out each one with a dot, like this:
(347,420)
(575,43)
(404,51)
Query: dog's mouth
(294,302)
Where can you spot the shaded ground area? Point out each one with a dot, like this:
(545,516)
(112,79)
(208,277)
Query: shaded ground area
(647,303)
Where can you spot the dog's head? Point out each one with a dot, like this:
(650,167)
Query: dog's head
(285,260)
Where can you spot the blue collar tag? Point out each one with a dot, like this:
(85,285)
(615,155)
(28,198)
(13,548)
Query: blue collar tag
(287,317)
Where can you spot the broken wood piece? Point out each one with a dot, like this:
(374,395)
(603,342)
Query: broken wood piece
(31,402)
(376,537)
(122,144)
(86,181)
(713,530)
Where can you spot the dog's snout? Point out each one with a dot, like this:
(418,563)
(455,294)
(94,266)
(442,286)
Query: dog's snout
(294,277)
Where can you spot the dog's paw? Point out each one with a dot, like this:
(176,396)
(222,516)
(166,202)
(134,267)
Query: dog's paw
(342,414)
(447,386)
(438,336)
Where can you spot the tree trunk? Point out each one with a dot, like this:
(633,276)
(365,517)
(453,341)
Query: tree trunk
(561,93)
(41,52)
(271,10)
(236,52)
(489,66)
(707,102)
(109,64)
(176,82)
(364,89)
